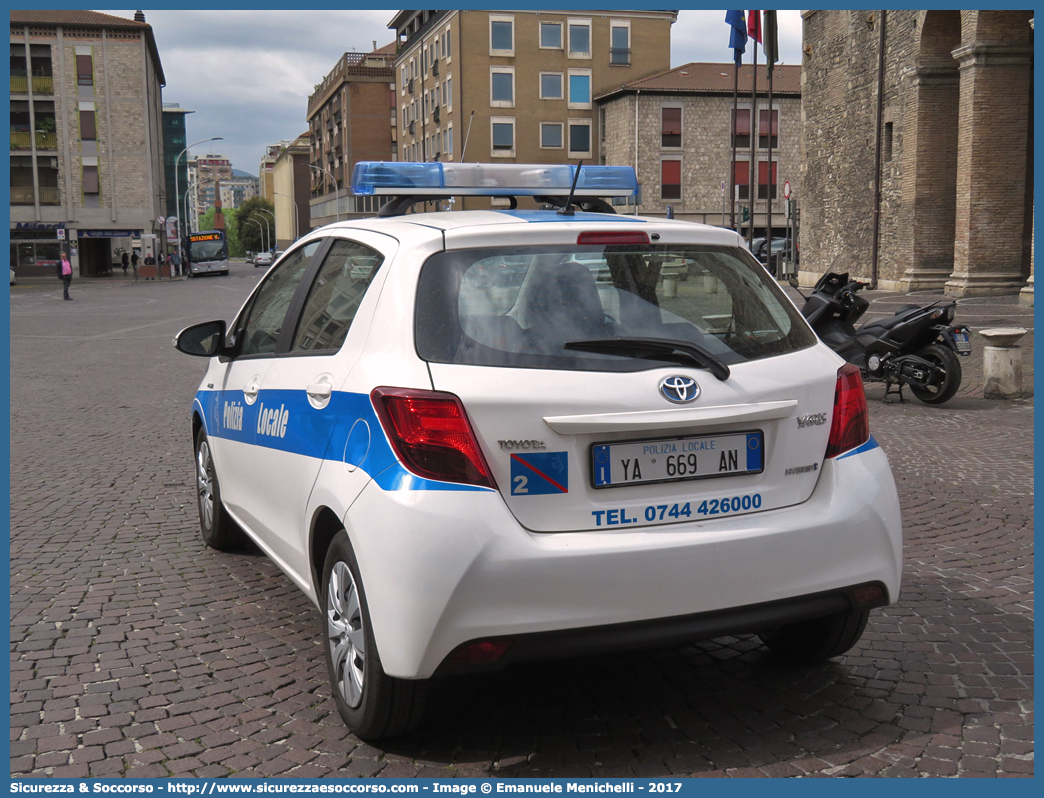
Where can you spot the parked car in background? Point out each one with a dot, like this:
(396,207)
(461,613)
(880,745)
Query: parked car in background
(13,280)
(263,259)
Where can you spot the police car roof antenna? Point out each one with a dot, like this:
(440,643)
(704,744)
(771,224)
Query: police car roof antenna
(568,209)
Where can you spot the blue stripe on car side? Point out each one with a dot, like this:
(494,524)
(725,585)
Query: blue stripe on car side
(866,447)
(322,434)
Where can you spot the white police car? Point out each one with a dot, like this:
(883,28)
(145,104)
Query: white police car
(483,437)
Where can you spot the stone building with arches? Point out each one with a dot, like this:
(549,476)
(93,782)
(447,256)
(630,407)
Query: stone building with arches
(956,152)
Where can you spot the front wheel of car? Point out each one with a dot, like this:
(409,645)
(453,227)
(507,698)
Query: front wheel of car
(819,638)
(372,704)
(219,531)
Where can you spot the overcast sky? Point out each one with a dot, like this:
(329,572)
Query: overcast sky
(247,74)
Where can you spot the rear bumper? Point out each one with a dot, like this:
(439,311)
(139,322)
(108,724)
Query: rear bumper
(442,568)
(668,631)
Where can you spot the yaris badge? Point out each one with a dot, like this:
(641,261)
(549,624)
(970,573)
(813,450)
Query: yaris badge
(679,390)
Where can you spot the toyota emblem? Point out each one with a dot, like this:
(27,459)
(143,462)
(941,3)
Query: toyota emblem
(679,389)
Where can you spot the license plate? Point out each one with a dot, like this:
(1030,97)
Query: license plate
(963,344)
(677,459)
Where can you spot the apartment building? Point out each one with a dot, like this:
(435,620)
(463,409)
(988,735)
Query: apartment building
(87,171)
(291,189)
(525,90)
(210,170)
(675,129)
(351,118)
(176,174)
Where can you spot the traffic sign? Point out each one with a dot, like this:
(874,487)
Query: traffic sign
(786,189)
(723,188)
(61,233)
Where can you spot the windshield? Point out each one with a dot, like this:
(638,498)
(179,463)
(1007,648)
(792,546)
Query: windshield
(201,251)
(520,306)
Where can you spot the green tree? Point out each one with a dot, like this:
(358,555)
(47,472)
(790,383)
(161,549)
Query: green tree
(249,233)
(235,246)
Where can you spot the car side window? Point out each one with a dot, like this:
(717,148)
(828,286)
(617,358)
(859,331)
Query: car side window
(334,298)
(260,332)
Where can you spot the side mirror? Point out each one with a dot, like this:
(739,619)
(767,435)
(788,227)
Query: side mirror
(202,340)
(793,281)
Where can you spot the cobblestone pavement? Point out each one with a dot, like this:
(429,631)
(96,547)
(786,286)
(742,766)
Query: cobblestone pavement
(138,652)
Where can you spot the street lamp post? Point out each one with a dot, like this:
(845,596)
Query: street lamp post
(177,189)
(337,210)
(265,220)
(293,228)
(255,221)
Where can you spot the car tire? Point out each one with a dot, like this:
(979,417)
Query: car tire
(372,704)
(817,639)
(218,530)
(943,391)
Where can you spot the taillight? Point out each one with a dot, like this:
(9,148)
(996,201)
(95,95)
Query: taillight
(851,424)
(613,237)
(481,652)
(430,433)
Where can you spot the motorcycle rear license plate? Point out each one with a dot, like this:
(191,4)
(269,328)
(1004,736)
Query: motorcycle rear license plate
(677,459)
(963,344)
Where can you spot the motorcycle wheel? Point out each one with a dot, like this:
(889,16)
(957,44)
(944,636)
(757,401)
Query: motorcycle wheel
(941,389)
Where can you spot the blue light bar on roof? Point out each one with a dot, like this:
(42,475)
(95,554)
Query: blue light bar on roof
(490,180)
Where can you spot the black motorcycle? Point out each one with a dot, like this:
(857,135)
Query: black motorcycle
(918,346)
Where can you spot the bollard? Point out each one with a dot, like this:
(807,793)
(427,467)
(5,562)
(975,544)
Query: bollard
(1002,362)
(670,285)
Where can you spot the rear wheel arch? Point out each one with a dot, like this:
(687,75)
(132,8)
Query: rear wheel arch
(324,528)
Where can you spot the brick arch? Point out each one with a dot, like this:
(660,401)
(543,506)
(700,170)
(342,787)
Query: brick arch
(996,27)
(931,132)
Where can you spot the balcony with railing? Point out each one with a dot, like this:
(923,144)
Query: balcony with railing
(19,84)
(50,195)
(21,195)
(22,140)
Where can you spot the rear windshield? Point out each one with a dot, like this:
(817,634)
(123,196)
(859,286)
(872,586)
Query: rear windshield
(518,307)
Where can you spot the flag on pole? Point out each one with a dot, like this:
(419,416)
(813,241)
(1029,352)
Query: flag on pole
(754,25)
(738,36)
(771,43)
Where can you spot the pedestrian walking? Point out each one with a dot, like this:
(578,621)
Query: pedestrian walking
(175,260)
(134,264)
(149,261)
(124,262)
(66,269)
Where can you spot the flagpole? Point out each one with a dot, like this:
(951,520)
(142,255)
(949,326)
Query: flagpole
(768,223)
(732,163)
(752,184)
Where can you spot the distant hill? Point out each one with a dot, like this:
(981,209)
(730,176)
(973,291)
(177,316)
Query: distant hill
(242,174)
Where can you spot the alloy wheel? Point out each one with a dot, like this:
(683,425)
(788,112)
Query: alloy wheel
(345,634)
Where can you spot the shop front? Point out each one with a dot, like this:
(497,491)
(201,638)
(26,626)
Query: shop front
(36,250)
(100,250)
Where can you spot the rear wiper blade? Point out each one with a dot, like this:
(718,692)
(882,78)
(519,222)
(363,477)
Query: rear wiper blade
(653,349)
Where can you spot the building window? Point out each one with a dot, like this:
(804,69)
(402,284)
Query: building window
(550,85)
(21,180)
(579,138)
(84,66)
(446,48)
(551,135)
(741,179)
(90,178)
(501,35)
(763,179)
(88,125)
(670,179)
(763,129)
(620,42)
(448,135)
(503,136)
(741,128)
(502,87)
(887,147)
(579,88)
(579,38)
(671,127)
(551,35)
